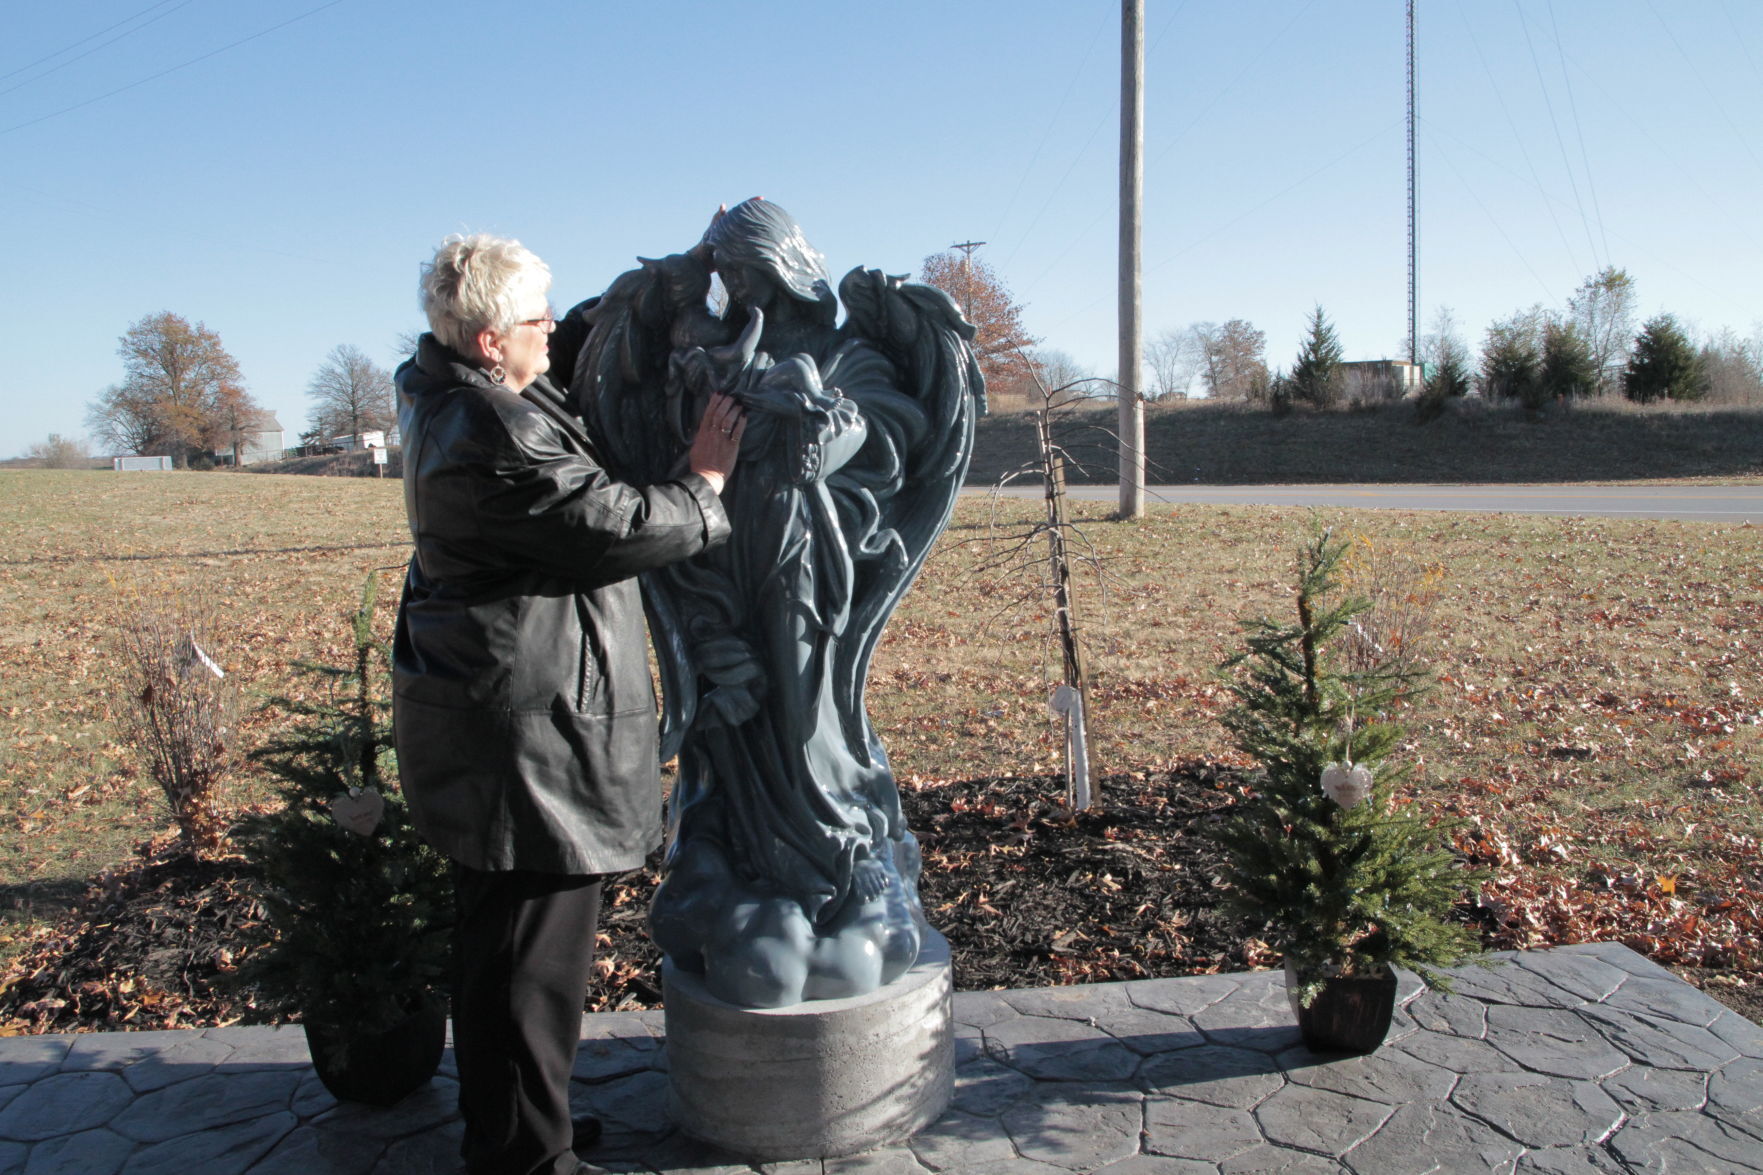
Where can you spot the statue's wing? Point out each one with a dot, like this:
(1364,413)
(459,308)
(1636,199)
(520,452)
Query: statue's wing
(618,386)
(896,497)
(618,378)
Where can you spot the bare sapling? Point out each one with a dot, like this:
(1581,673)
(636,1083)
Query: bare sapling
(179,711)
(1070,700)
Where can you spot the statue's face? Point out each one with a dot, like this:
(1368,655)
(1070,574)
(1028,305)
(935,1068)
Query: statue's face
(747,284)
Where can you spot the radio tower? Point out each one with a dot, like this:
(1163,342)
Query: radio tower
(1413,226)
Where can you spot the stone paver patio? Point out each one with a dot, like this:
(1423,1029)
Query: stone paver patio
(1581,1059)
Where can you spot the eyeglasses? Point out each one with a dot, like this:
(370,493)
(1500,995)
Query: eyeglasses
(547,322)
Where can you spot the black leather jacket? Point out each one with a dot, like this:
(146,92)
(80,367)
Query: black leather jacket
(522,703)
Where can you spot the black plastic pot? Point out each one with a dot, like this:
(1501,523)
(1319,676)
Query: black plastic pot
(379,1068)
(1350,1015)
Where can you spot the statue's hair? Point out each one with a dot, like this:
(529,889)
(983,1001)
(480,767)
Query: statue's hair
(476,283)
(760,233)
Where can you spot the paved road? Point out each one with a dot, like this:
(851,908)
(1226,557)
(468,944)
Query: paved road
(1702,503)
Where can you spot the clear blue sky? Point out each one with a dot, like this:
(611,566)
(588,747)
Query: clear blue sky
(278,171)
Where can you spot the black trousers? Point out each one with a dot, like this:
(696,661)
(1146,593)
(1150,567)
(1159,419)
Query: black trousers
(523,953)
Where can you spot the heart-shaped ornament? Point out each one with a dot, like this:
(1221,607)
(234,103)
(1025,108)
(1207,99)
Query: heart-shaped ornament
(1347,784)
(359,810)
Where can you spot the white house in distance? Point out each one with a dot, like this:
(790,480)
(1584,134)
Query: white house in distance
(261,440)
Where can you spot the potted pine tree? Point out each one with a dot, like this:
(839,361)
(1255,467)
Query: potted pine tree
(357,905)
(1341,878)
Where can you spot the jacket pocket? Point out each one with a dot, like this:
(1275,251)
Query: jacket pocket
(590,674)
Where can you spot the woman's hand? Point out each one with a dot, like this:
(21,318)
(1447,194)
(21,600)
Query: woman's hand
(718,443)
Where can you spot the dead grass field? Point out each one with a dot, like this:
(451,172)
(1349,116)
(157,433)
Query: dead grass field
(1596,717)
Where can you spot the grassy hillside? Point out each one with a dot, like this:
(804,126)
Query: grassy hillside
(1233,444)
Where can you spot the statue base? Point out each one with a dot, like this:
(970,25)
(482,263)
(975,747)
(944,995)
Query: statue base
(815,1079)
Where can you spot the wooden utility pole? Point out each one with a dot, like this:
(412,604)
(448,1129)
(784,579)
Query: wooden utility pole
(967,247)
(1132,186)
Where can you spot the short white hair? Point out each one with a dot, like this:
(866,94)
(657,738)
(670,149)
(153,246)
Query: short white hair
(477,283)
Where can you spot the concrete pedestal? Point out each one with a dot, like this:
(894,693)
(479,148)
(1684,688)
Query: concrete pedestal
(815,1079)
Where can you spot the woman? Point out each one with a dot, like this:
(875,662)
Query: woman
(522,704)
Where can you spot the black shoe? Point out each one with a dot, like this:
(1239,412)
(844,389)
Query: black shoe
(587,1133)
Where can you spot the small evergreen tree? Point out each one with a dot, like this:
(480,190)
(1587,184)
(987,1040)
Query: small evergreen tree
(1276,389)
(1664,366)
(1568,370)
(1509,360)
(1450,379)
(1339,888)
(359,909)
(1446,380)
(1316,376)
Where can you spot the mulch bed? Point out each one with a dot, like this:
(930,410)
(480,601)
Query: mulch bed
(149,946)
(1028,893)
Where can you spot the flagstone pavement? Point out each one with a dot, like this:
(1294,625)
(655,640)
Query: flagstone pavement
(1581,1059)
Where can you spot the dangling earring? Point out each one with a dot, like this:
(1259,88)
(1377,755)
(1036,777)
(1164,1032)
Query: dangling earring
(498,375)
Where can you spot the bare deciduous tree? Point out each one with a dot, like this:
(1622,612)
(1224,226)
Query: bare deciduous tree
(351,394)
(1066,380)
(1601,310)
(1444,344)
(1233,360)
(1733,367)
(1173,358)
(59,452)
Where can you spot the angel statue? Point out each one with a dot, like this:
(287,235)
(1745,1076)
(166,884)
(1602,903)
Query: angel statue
(789,874)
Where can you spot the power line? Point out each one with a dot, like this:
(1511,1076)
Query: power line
(1663,259)
(1724,112)
(83,40)
(101,45)
(1686,172)
(1512,125)
(1579,130)
(1738,38)
(1168,22)
(1463,183)
(170,69)
(1339,158)
(1555,125)
(1225,90)
(1028,170)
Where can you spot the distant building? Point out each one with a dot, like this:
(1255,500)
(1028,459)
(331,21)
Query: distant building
(140,464)
(259,440)
(1374,380)
(370,439)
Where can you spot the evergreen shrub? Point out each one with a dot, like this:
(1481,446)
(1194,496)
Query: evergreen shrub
(1338,889)
(359,918)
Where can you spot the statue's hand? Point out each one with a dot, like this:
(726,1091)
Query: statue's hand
(735,361)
